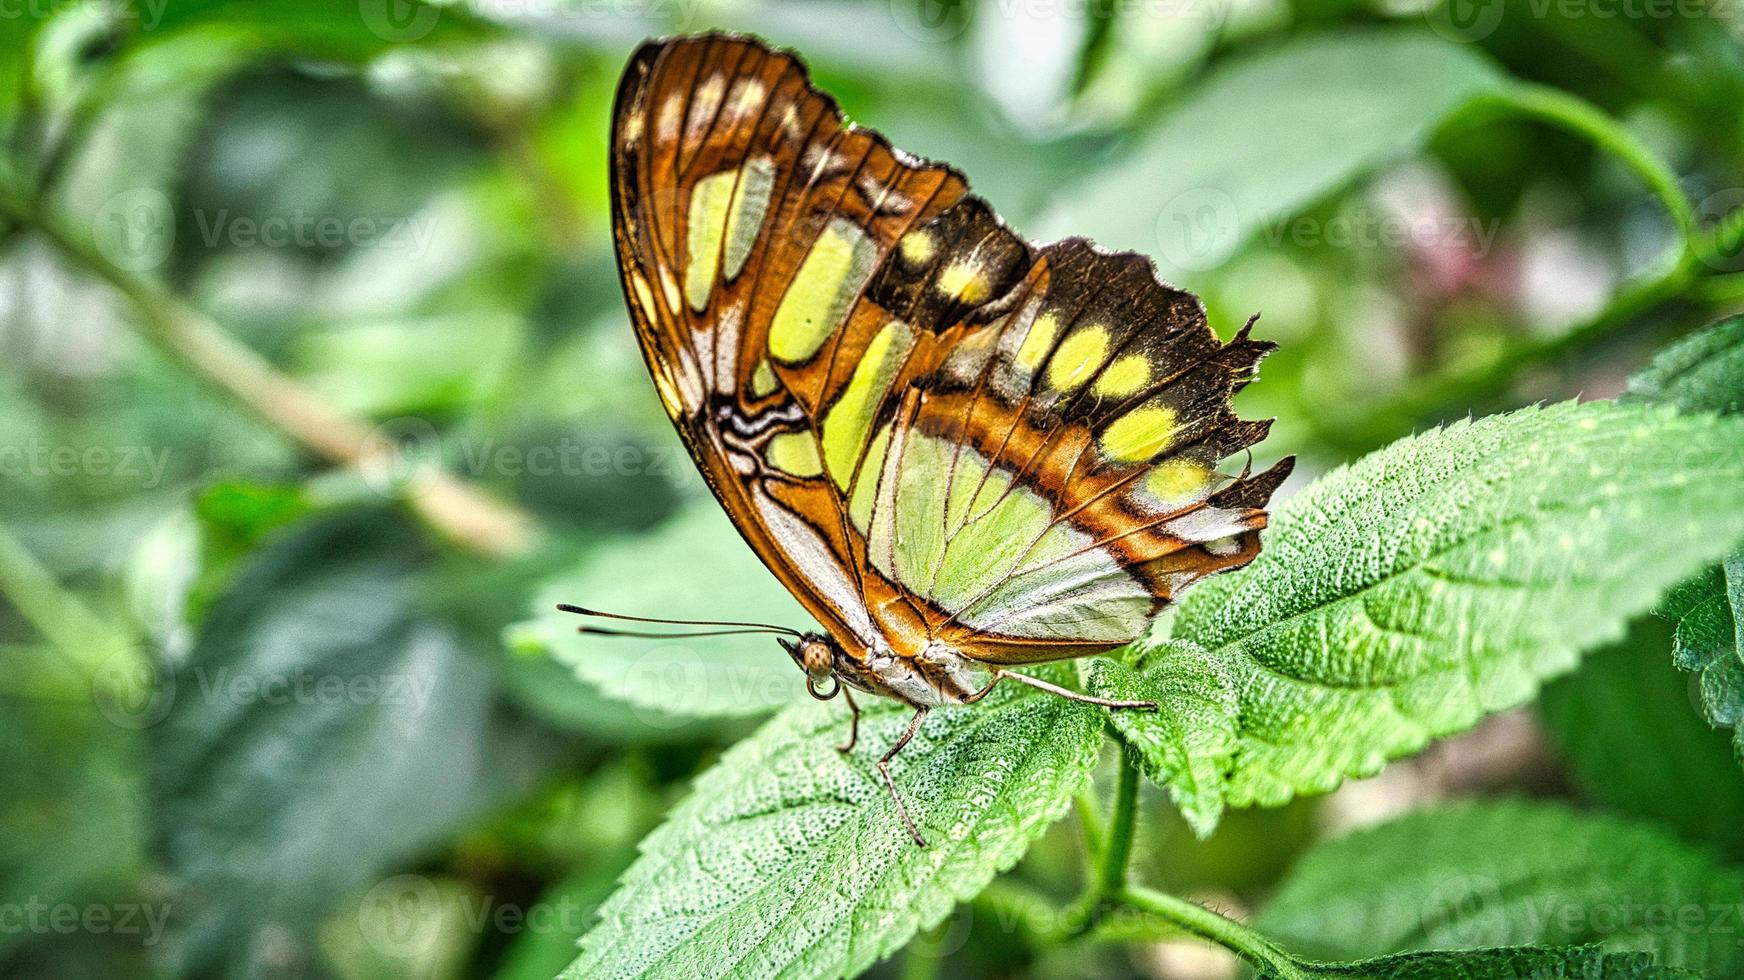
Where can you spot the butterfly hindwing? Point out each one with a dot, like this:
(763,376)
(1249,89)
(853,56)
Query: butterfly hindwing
(931,430)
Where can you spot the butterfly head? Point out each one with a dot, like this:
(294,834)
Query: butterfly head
(816,654)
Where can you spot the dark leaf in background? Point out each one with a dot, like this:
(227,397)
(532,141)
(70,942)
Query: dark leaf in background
(704,571)
(1623,723)
(321,730)
(1266,135)
(1473,875)
(1704,372)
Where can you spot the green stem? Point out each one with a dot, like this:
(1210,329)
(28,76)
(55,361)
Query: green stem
(1559,108)
(1110,849)
(920,967)
(1727,290)
(1220,929)
(68,624)
(1362,426)
(1367,425)
(1089,819)
(1117,841)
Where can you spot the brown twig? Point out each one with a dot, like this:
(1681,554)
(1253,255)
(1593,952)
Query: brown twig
(457,510)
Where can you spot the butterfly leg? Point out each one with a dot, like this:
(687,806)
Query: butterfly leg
(884,770)
(1067,693)
(853,725)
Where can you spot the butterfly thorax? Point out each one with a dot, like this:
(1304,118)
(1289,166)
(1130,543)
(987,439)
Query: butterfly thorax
(936,675)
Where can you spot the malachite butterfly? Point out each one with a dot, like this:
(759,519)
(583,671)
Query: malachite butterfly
(962,452)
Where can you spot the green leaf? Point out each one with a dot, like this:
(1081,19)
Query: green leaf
(1187,744)
(548,690)
(693,567)
(1401,598)
(1734,569)
(1624,726)
(1269,134)
(788,857)
(320,730)
(1505,874)
(1703,614)
(1703,372)
(1522,963)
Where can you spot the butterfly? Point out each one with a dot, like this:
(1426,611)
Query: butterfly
(962,453)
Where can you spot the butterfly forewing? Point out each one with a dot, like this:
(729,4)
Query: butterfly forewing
(930,430)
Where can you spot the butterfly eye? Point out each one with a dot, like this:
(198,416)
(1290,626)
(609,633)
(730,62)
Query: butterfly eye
(816,657)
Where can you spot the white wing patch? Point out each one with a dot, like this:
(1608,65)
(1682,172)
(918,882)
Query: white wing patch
(809,553)
(984,550)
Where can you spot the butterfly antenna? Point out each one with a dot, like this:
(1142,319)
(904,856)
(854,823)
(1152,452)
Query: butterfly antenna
(637,634)
(732,627)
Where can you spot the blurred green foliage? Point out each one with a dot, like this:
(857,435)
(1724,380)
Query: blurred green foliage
(262,713)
